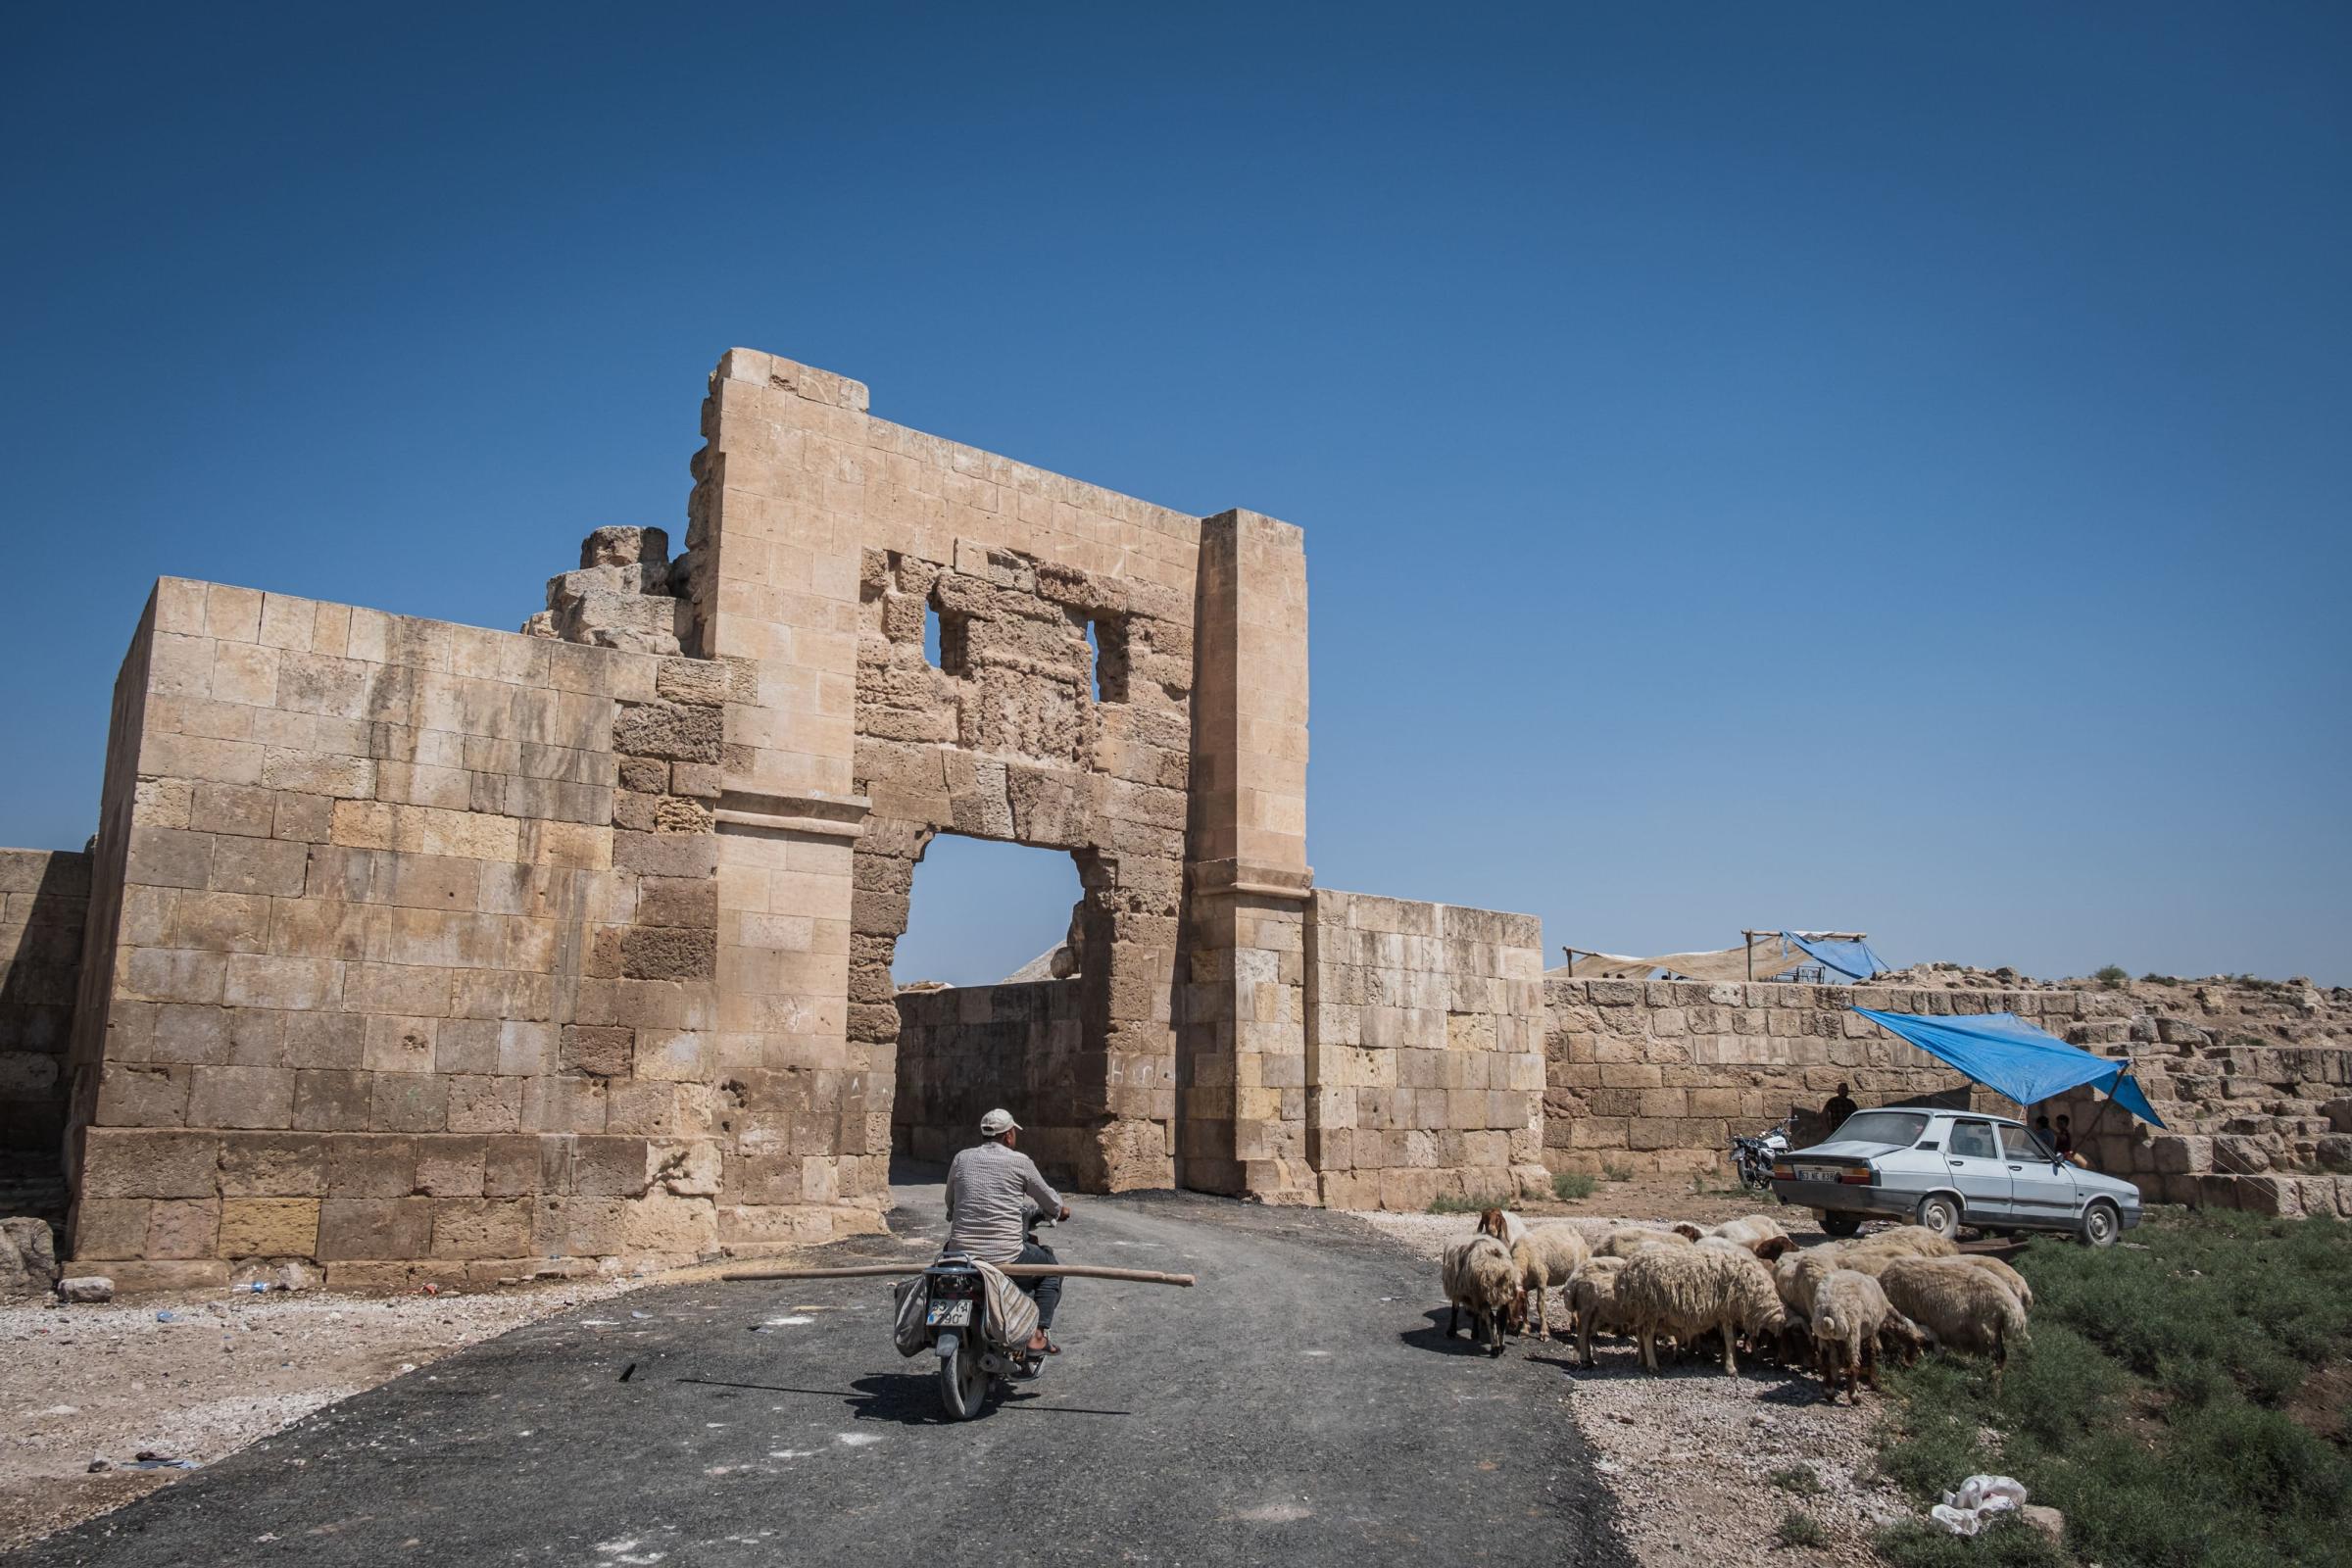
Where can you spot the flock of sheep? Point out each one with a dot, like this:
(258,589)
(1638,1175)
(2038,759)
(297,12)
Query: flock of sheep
(1837,1305)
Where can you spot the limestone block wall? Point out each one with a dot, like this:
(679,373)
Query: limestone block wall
(1423,1050)
(2253,1080)
(1657,1075)
(1024,732)
(1241,1000)
(44,901)
(965,1049)
(407,936)
(819,539)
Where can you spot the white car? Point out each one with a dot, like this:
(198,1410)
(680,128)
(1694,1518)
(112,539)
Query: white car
(1948,1168)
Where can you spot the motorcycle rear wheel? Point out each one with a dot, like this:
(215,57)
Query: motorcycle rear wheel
(962,1382)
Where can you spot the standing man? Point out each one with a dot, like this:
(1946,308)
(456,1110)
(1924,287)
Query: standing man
(988,1186)
(1841,1105)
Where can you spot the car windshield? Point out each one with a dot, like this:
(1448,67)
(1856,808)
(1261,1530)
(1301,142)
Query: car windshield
(1897,1128)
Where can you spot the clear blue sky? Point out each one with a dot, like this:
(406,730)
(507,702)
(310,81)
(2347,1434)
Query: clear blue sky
(1864,466)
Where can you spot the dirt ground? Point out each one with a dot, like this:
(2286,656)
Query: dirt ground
(198,1377)
(1691,1456)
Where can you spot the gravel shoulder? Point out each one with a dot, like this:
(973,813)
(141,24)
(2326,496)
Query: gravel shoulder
(1689,1455)
(198,1377)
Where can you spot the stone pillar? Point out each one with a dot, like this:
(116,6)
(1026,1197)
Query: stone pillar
(1242,1073)
(773,576)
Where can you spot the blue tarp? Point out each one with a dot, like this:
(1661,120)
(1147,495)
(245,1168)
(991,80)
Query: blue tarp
(1853,959)
(2007,1054)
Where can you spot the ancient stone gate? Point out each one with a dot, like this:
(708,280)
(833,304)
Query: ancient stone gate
(415,948)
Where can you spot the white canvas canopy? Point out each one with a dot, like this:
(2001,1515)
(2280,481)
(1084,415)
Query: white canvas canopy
(1762,956)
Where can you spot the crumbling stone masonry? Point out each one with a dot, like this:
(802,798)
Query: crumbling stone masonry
(2253,1080)
(1657,1075)
(44,903)
(416,948)
(412,950)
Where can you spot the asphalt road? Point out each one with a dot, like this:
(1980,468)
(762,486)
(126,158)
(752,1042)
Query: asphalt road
(1299,1406)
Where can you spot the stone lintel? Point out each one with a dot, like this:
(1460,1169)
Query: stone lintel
(839,816)
(1211,877)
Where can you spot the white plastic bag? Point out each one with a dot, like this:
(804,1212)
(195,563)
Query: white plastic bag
(1980,1498)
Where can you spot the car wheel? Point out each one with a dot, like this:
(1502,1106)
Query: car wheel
(1941,1213)
(2100,1226)
(1836,1224)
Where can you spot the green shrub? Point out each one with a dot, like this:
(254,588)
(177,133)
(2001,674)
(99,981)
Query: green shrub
(2003,1543)
(1796,1478)
(1616,1173)
(2149,1405)
(1570,1185)
(1799,1529)
(2113,974)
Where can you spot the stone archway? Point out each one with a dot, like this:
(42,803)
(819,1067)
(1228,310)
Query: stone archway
(1016,735)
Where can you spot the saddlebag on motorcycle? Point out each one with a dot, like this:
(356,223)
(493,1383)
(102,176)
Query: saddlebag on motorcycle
(1011,1316)
(908,1333)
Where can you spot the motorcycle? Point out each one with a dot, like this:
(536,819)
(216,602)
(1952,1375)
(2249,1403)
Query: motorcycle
(1752,1156)
(955,1317)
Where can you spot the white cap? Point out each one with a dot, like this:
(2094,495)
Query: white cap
(997,1123)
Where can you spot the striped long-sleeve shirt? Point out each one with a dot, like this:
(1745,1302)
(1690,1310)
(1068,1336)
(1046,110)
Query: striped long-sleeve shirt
(985,1186)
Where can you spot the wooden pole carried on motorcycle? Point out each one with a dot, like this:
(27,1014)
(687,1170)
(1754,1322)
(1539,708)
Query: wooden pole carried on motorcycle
(1019,1271)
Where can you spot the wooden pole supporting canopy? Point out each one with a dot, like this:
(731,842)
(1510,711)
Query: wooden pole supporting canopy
(1019,1271)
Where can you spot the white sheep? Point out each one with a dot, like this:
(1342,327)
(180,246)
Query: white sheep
(1917,1240)
(1868,1255)
(1999,1272)
(1627,1239)
(1477,1275)
(1851,1315)
(1692,1292)
(1593,1304)
(1547,1257)
(1502,1224)
(1760,1234)
(1965,1308)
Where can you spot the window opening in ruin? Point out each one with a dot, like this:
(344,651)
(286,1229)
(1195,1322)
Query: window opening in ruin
(1106,637)
(982,909)
(988,998)
(947,640)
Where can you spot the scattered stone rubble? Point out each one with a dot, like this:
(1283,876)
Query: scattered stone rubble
(627,593)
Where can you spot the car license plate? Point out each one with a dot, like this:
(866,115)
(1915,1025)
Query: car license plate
(949,1315)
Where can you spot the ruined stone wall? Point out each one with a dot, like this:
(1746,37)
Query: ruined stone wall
(967,1050)
(1068,709)
(1424,1065)
(1241,1000)
(1657,1075)
(413,933)
(44,903)
(2252,1078)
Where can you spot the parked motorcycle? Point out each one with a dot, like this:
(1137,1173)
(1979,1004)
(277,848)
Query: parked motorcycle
(955,1317)
(1752,1156)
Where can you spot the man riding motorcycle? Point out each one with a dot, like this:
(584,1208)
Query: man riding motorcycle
(989,1188)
